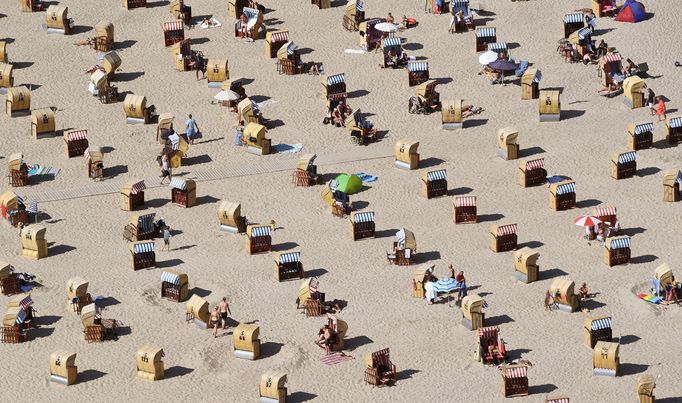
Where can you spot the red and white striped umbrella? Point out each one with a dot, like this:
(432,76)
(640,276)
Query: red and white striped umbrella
(587,221)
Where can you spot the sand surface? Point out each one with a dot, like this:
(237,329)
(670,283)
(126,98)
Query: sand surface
(432,351)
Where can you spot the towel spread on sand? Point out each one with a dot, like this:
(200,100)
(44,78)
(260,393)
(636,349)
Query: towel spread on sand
(365,178)
(287,148)
(355,51)
(214,24)
(37,169)
(335,358)
(266,103)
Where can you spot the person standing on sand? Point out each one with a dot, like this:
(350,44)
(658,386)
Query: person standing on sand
(165,169)
(224,309)
(192,129)
(651,100)
(166,238)
(660,109)
(214,321)
(199,65)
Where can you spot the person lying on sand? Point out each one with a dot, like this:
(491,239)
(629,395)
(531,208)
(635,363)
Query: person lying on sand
(84,42)
(313,69)
(590,58)
(610,88)
(470,110)
(407,23)
(93,69)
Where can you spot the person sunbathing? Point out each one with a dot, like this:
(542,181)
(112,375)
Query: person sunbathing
(239,137)
(391,58)
(311,68)
(456,19)
(485,70)
(583,291)
(613,87)
(370,130)
(404,23)
(93,69)
(470,110)
(631,68)
(341,112)
(325,339)
(242,26)
(590,58)
(495,77)
(402,60)
(407,22)
(83,42)
(493,351)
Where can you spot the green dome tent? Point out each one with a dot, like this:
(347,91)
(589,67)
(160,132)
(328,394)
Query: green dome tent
(349,184)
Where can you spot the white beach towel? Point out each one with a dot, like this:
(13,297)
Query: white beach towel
(214,24)
(355,51)
(265,103)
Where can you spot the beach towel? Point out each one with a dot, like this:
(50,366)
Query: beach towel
(650,298)
(365,178)
(523,66)
(287,148)
(266,103)
(37,169)
(355,51)
(214,24)
(335,358)
(556,178)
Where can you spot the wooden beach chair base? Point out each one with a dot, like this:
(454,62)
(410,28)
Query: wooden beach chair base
(12,334)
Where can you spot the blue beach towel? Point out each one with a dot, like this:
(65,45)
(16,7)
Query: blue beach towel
(366,178)
(287,148)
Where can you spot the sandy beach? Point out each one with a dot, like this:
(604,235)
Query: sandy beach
(433,352)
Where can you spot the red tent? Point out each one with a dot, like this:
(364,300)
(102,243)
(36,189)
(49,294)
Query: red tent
(631,11)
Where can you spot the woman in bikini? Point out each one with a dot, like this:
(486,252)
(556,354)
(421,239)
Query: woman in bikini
(215,321)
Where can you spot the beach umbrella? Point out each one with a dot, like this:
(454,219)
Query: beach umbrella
(226,95)
(487,57)
(503,65)
(386,27)
(586,221)
(447,284)
(349,184)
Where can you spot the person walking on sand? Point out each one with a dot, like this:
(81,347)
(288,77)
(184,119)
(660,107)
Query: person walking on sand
(166,238)
(165,169)
(192,129)
(651,100)
(224,310)
(199,65)
(214,321)
(660,109)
